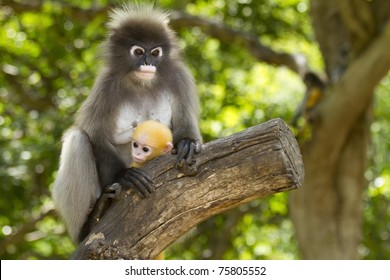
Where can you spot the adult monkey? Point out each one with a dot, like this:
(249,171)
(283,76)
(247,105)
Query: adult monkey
(143,78)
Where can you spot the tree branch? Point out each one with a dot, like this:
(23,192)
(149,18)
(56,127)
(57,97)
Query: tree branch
(24,93)
(358,20)
(355,91)
(213,28)
(20,234)
(76,12)
(257,162)
(223,33)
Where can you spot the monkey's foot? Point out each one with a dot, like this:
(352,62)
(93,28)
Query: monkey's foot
(109,194)
(112,191)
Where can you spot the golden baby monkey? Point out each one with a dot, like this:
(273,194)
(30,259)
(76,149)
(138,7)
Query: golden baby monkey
(150,139)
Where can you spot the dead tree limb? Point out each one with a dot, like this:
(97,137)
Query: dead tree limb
(254,163)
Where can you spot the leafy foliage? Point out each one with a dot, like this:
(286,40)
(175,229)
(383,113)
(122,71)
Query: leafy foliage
(376,223)
(49,58)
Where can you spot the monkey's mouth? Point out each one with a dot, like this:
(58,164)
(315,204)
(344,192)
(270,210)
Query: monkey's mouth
(146,72)
(138,160)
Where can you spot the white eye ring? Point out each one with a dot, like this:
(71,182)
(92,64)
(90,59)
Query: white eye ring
(157,52)
(137,51)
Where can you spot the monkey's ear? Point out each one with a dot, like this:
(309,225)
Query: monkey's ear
(168,147)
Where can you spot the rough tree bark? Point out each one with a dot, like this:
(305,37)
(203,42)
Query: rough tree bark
(257,162)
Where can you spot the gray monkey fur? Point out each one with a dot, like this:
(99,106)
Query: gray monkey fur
(96,150)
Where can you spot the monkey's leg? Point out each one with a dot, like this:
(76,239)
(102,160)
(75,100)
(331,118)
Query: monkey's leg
(109,194)
(76,187)
(132,178)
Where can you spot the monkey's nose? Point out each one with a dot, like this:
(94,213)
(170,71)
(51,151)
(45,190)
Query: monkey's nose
(148,60)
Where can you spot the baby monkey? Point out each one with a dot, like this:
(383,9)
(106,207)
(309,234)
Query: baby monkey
(150,139)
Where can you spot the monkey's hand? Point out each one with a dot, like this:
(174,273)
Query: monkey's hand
(185,150)
(137,180)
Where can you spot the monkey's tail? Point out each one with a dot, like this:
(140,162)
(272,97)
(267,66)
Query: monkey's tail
(76,187)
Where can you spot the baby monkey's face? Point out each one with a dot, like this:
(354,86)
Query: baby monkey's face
(141,153)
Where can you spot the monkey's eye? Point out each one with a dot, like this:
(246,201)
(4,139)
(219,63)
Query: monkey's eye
(157,52)
(145,149)
(135,144)
(137,51)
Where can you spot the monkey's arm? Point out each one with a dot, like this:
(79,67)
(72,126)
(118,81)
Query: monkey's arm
(112,169)
(113,177)
(186,135)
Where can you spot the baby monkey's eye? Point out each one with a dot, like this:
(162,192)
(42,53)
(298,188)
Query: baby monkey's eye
(135,144)
(145,149)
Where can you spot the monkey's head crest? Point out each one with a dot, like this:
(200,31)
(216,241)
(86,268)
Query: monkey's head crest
(129,12)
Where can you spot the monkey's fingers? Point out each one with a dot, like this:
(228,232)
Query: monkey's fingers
(195,148)
(144,178)
(182,151)
(134,183)
(185,150)
(190,155)
(113,191)
(198,146)
(138,181)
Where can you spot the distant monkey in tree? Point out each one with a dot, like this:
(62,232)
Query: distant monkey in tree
(143,78)
(150,139)
(315,90)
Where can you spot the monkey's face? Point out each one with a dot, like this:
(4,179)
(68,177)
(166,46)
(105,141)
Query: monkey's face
(141,153)
(140,49)
(146,61)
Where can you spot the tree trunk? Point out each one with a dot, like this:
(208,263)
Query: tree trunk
(257,162)
(327,211)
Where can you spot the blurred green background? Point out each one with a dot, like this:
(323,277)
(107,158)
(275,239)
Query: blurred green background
(48,61)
